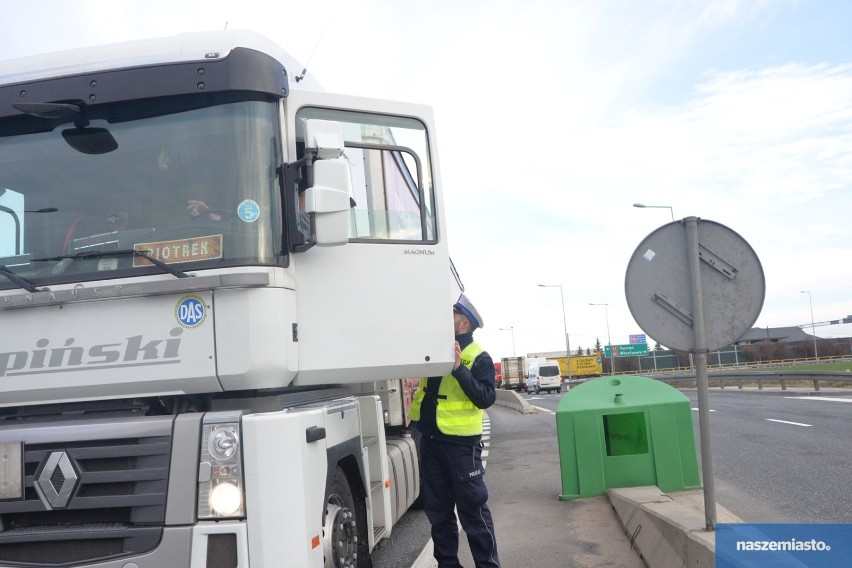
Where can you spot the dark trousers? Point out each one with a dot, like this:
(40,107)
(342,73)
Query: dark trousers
(453,478)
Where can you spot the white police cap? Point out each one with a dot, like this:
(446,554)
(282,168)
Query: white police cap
(464,306)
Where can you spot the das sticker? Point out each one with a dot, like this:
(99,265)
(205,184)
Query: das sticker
(191,311)
(248,210)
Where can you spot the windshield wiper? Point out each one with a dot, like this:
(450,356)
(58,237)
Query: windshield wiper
(101,253)
(22,282)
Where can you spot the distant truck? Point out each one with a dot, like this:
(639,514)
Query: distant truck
(513,372)
(581,366)
(498,374)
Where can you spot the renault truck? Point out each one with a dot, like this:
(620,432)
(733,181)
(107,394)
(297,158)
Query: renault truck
(218,282)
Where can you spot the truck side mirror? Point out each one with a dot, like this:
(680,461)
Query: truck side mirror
(327,200)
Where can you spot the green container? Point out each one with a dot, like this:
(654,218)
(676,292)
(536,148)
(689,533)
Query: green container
(625,431)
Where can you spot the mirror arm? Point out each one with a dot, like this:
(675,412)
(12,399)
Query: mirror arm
(290,176)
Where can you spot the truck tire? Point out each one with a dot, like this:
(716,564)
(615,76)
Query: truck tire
(345,543)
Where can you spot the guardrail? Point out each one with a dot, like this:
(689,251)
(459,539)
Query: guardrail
(771,364)
(740,377)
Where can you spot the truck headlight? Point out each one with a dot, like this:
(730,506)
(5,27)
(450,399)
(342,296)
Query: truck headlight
(220,468)
(226,499)
(223,442)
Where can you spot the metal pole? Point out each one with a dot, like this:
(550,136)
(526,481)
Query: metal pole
(568,357)
(609,340)
(701,373)
(642,206)
(813,326)
(565,329)
(512,329)
(564,326)
(608,337)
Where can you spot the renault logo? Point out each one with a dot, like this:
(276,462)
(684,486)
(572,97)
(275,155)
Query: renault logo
(57,481)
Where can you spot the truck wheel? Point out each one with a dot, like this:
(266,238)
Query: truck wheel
(345,542)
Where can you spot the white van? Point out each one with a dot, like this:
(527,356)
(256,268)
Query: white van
(543,376)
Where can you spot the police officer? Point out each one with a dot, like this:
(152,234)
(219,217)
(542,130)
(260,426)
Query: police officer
(448,411)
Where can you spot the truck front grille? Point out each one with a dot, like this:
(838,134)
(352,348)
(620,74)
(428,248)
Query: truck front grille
(89,499)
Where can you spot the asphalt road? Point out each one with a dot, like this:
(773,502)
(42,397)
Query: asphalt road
(782,458)
(532,526)
(776,459)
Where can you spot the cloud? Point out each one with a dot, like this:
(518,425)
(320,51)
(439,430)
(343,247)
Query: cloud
(763,151)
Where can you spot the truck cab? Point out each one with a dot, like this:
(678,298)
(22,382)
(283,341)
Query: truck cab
(210,274)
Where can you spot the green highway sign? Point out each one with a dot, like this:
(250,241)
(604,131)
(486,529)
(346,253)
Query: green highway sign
(628,350)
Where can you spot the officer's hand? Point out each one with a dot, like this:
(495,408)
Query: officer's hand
(458,356)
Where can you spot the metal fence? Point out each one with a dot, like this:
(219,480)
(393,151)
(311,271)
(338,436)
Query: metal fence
(737,378)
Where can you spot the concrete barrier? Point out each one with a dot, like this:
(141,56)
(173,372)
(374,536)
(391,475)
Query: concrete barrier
(668,529)
(511,399)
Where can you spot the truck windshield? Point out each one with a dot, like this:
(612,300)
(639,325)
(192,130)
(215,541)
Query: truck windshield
(192,182)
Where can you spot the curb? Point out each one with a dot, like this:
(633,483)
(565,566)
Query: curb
(664,529)
(511,399)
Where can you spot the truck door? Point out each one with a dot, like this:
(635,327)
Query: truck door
(377,306)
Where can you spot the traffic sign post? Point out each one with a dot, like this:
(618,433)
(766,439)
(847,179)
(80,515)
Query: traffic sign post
(696,286)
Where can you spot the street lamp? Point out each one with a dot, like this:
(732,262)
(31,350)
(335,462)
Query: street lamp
(813,325)
(608,337)
(564,326)
(643,206)
(512,329)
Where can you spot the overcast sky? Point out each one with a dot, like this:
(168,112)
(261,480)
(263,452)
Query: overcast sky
(555,117)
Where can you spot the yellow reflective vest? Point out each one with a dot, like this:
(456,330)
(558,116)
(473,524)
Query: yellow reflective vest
(455,414)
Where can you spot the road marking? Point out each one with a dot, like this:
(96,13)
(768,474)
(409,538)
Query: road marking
(696,410)
(542,409)
(820,398)
(786,422)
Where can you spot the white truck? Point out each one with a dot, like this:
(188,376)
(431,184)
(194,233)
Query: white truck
(513,372)
(213,275)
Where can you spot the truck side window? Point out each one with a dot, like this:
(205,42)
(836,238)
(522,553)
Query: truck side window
(392,197)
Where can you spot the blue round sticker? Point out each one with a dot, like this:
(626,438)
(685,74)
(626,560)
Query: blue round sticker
(248,210)
(191,311)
